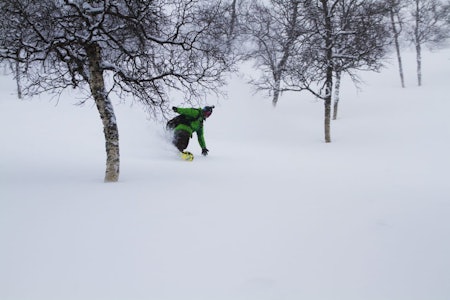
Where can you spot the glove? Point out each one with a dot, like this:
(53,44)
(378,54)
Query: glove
(175,109)
(205,151)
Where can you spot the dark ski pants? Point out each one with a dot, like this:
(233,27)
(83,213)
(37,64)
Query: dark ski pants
(181,139)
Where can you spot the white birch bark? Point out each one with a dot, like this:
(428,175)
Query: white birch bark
(329,71)
(105,108)
(417,42)
(397,47)
(337,88)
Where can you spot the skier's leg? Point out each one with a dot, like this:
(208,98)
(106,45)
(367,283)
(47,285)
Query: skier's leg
(181,139)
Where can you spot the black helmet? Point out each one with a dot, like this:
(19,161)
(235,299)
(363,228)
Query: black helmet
(207,111)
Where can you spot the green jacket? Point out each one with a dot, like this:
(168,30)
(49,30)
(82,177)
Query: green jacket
(195,125)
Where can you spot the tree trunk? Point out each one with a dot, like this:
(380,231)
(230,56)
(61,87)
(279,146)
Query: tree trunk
(417,41)
(337,88)
(105,108)
(327,122)
(233,20)
(397,47)
(419,64)
(281,66)
(18,80)
(276,91)
(329,70)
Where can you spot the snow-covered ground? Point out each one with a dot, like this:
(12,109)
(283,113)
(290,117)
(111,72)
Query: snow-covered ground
(272,213)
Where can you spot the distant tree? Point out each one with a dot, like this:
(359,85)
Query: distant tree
(428,26)
(14,65)
(233,12)
(446,11)
(233,18)
(302,45)
(274,30)
(396,16)
(360,39)
(334,37)
(132,47)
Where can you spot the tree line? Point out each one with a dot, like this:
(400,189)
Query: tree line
(145,49)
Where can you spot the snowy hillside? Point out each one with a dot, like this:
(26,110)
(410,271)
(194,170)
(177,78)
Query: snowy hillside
(272,213)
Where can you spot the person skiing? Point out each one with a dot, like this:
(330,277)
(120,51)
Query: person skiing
(189,120)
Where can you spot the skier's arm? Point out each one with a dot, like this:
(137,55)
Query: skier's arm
(190,112)
(201,138)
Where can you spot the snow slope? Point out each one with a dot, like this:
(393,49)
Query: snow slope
(272,213)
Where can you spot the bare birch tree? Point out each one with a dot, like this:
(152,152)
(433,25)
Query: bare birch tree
(303,45)
(344,36)
(274,30)
(233,16)
(428,27)
(360,40)
(397,22)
